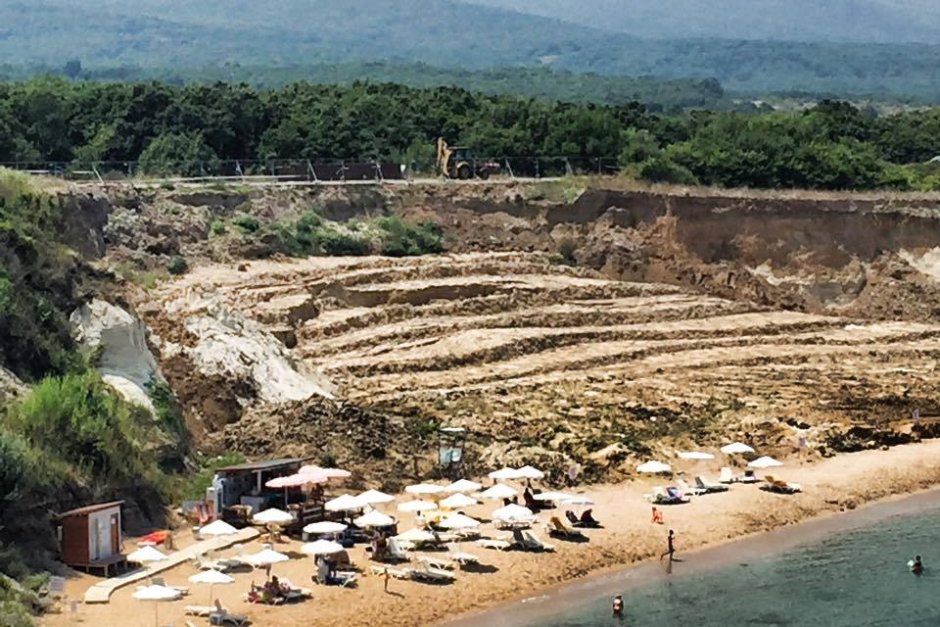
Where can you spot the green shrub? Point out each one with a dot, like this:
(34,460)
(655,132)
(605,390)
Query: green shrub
(401,239)
(664,170)
(309,222)
(247,224)
(334,243)
(218,227)
(177,266)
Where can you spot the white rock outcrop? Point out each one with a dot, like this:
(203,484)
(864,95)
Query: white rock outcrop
(120,339)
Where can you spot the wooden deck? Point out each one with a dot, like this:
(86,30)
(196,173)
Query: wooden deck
(103,565)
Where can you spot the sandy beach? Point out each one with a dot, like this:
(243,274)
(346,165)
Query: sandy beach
(830,486)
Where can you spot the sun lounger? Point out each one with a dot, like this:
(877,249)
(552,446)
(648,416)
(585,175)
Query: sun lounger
(557,527)
(726,476)
(687,489)
(454,553)
(429,573)
(221,616)
(668,496)
(535,544)
(748,477)
(395,551)
(199,610)
(780,487)
(345,579)
(433,562)
(160,581)
(491,543)
(397,573)
(709,488)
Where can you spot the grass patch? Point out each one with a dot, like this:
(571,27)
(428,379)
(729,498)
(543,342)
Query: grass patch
(192,486)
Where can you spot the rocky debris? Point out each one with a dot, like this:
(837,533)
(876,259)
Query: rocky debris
(10,385)
(291,310)
(118,339)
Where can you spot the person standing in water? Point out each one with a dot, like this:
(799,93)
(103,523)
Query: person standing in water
(917,566)
(618,606)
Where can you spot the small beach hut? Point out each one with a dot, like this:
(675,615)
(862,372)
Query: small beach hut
(90,537)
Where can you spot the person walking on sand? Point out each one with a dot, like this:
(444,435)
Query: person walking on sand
(386,576)
(670,547)
(618,606)
(657,516)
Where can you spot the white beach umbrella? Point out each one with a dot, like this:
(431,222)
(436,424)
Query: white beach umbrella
(326,526)
(579,500)
(416,506)
(459,521)
(513,512)
(218,528)
(529,472)
(416,535)
(374,497)
(424,488)
(322,547)
(330,473)
(212,578)
(266,557)
(457,501)
(156,594)
(344,503)
(146,555)
(463,485)
(736,449)
(764,462)
(499,491)
(504,473)
(654,467)
(552,496)
(297,480)
(695,455)
(273,516)
(374,519)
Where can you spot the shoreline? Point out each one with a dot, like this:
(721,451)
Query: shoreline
(606,583)
(616,553)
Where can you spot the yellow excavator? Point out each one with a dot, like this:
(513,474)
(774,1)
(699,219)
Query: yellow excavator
(458,162)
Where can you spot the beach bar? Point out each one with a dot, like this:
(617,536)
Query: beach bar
(90,538)
(239,491)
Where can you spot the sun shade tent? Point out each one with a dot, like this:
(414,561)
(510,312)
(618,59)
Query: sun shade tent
(374,497)
(463,485)
(499,491)
(424,489)
(322,547)
(325,526)
(529,472)
(654,467)
(736,448)
(764,462)
(344,503)
(504,474)
(146,555)
(458,500)
(695,456)
(374,519)
(512,513)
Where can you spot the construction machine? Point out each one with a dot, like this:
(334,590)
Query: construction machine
(458,162)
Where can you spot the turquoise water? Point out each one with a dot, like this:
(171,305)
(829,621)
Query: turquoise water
(852,578)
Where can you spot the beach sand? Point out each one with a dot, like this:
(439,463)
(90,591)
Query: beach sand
(830,486)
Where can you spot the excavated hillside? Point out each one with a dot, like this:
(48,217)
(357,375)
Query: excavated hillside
(561,325)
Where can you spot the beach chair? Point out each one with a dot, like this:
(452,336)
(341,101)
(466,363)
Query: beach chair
(748,477)
(160,581)
(454,553)
(668,496)
(780,487)
(199,610)
(687,489)
(726,476)
(432,575)
(433,562)
(557,527)
(709,488)
(397,573)
(395,552)
(223,617)
(535,544)
(493,543)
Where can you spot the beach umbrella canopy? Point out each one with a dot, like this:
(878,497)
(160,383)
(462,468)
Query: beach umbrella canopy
(157,593)
(146,555)
(416,506)
(764,462)
(295,481)
(326,526)
(345,503)
(499,491)
(218,528)
(330,473)
(654,467)
(695,455)
(424,488)
(212,577)
(416,535)
(578,499)
(458,500)
(459,521)
(736,449)
(552,496)
(267,557)
(273,516)
(375,519)
(374,497)
(504,473)
(529,472)
(322,547)
(513,512)
(463,485)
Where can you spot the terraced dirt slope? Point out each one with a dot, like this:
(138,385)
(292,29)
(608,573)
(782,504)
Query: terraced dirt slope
(552,364)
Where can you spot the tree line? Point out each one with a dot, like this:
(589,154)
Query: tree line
(177,127)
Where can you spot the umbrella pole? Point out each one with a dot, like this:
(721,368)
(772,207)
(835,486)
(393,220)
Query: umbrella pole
(156,619)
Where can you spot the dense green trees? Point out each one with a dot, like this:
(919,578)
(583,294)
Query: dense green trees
(190,129)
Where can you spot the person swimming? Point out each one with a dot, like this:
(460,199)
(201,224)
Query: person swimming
(618,605)
(917,565)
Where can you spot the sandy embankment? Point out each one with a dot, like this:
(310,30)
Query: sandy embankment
(830,486)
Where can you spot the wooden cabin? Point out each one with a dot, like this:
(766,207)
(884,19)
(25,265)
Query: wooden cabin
(90,538)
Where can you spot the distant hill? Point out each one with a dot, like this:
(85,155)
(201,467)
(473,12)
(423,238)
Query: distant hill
(181,34)
(882,21)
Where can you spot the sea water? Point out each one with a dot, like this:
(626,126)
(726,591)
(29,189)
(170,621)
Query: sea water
(853,577)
